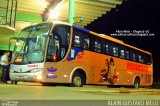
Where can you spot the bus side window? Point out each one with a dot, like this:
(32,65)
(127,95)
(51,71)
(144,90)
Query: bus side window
(107,48)
(92,40)
(148,59)
(76,38)
(97,47)
(86,43)
(63,52)
(134,56)
(141,58)
(76,41)
(122,53)
(51,45)
(115,51)
(51,50)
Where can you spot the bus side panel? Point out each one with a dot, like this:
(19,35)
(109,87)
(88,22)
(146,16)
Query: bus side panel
(94,65)
(56,72)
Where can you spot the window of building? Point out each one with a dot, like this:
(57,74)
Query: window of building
(127,55)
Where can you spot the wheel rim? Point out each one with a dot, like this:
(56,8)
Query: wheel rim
(77,81)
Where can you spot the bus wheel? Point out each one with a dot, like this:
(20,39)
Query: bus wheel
(137,83)
(77,80)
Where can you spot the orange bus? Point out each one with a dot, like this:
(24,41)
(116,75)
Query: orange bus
(61,53)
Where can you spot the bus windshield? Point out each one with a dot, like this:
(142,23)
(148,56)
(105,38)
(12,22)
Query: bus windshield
(31,44)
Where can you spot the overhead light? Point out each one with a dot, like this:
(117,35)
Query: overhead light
(55,13)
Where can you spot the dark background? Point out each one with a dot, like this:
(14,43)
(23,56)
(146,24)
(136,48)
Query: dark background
(134,15)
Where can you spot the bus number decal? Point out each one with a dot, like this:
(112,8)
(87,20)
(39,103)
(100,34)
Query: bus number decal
(72,53)
(75,53)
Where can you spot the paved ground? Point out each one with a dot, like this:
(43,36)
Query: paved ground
(34,91)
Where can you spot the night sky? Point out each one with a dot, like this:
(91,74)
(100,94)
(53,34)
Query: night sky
(134,15)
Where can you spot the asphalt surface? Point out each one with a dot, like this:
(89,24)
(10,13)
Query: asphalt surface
(35,92)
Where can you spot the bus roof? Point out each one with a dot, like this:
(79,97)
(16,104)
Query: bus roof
(81,28)
(99,35)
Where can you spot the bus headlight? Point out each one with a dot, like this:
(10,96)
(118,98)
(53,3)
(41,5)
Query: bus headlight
(39,77)
(11,71)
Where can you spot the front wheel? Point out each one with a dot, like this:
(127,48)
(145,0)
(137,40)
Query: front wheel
(77,80)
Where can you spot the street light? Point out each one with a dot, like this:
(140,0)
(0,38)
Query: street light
(53,15)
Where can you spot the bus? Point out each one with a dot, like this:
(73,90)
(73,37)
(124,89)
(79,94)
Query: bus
(57,52)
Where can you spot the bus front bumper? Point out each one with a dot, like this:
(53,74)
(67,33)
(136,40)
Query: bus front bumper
(33,77)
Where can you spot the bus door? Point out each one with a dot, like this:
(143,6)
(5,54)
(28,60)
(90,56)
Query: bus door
(58,43)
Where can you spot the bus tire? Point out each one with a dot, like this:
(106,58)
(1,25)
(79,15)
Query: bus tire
(137,82)
(77,80)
